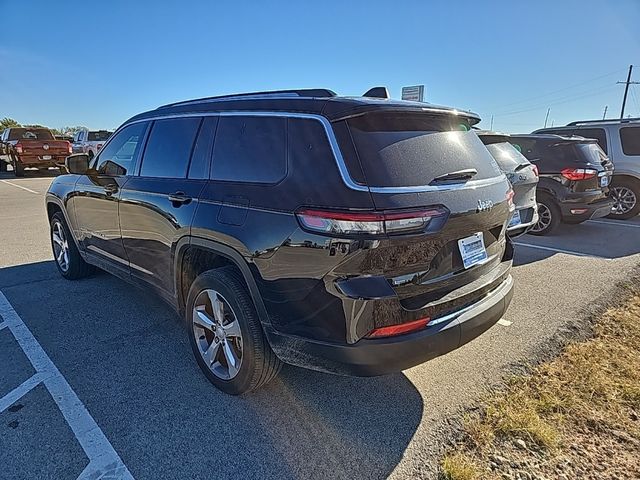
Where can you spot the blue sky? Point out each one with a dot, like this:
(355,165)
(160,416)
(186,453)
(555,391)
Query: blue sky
(96,64)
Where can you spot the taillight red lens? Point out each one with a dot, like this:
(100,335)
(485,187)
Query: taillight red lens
(18,148)
(69,148)
(535,170)
(371,223)
(510,195)
(394,330)
(578,173)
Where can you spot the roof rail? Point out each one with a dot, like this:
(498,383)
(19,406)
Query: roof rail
(309,92)
(611,120)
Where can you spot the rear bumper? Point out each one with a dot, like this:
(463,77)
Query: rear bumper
(529,217)
(370,357)
(578,212)
(37,162)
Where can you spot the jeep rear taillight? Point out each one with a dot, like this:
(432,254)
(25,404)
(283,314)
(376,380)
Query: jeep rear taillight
(18,148)
(369,223)
(535,170)
(578,173)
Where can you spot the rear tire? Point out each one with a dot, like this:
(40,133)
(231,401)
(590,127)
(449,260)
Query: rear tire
(18,169)
(549,216)
(3,166)
(228,342)
(66,256)
(626,193)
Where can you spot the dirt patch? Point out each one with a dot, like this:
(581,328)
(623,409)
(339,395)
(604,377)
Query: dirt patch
(575,416)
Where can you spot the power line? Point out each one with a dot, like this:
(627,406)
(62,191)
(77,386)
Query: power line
(635,100)
(585,94)
(562,89)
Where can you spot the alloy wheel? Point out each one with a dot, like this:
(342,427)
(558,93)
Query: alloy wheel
(624,200)
(544,218)
(60,246)
(217,333)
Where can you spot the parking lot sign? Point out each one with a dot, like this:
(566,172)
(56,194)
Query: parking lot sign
(414,93)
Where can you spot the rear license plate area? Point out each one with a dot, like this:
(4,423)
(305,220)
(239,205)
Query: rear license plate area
(472,250)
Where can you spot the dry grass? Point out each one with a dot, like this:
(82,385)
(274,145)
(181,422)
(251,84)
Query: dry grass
(590,390)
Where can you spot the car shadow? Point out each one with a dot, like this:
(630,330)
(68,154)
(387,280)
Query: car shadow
(125,353)
(597,239)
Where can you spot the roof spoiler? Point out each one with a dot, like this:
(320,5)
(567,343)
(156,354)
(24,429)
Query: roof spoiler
(377,92)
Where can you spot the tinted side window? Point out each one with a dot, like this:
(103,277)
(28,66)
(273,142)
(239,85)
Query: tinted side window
(169,147)
(597,133)
(118,157)
(201,158)
(250,149)
(630,139)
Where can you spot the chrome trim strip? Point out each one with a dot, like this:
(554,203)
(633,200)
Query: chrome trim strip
(451,316)
(337,154)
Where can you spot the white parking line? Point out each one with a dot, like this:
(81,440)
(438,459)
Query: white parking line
(557,250)
(613,222)
(104,462)
(19,186)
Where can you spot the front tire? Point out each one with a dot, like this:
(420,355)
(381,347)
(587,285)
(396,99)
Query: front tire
(226,335)
(626,194)
(549,216)
(70,263)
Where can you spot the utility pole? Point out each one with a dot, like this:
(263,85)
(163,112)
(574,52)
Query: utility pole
(626,90)
(605,112)
(547,117)
(491,127)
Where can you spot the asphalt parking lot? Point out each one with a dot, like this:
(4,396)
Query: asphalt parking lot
(97,377)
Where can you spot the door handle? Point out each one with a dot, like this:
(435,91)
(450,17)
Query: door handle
(179,198)
(111,188)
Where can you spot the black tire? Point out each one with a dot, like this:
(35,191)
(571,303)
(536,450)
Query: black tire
(631,189)
(259,365)
(3,166)
(18,169)
(546,226)
(77,267)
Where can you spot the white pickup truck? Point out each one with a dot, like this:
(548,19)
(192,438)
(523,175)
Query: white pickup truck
(90,141)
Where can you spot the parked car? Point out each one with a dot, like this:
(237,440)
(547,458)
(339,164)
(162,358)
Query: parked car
(90,141)
(354,236)
(522,175)
(32,148)
(574,174)
(620,140)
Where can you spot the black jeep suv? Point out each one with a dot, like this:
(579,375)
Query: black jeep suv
(355,236)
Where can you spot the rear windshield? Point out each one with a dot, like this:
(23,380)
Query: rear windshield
(30,134)
(407,149)
(507,156)
(100,136)
(580,152)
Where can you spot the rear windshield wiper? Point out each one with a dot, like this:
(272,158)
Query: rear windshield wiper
(459,176)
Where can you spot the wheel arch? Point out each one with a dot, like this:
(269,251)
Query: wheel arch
(211,254)
(54,205)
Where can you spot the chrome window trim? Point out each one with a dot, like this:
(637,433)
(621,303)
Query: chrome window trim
(337,154)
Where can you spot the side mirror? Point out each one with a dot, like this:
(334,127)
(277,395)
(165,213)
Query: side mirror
(78,163)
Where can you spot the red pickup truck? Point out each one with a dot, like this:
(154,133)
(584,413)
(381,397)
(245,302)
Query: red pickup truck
(25,147)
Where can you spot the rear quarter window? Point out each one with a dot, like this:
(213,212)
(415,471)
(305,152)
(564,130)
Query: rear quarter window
(250,149)
(630,139)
